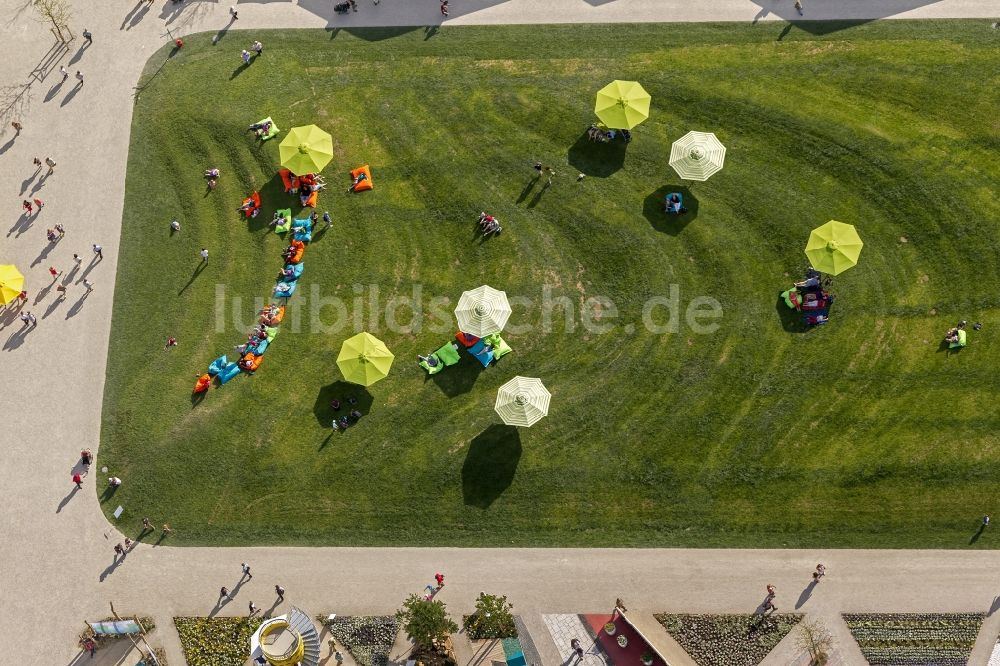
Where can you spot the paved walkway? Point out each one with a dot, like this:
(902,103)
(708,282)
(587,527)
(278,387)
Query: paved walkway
(55,543)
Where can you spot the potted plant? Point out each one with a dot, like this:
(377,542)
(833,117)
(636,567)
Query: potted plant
(622,641)
(647,658)
(610,628)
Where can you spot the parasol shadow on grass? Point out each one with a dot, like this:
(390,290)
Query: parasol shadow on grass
(598,160)
(459,378)
(490,465)
(654,210)
(341,390)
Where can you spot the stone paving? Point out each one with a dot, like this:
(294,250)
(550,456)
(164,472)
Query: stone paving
(563,629)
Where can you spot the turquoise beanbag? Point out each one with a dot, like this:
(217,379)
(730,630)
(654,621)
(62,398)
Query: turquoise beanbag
(296,271)
(259,348)
(479,351)
(280,292)
(228,372)
(216,366)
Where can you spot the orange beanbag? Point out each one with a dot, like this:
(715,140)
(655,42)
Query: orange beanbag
(311,201)
(297,244)
(298,256)
(202,384)
(251,362)
(276,319)
(365,184)
(286,178)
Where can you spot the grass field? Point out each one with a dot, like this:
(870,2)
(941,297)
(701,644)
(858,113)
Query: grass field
(860,433)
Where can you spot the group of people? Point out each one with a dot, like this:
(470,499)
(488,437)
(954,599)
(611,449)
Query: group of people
(344,421)
(213,176)
(489,225)
(600,134)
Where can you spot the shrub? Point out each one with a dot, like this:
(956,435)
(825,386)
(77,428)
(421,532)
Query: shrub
(728,640)
(492,618)
(216,641)
(897,639)
(426,621)
(369,638)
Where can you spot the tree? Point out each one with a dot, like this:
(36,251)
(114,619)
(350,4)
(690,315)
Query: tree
(426,622)
(57,13)
(816,640)
(492,618)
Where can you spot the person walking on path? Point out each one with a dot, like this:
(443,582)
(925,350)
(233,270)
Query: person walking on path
(798,6)
(61,230)
(253,609)
(986,521)
(39,203)
(24,318)
(171,342)
(326,218)
(99,251)
(79,78)
(17,128)
(232,12)
(444,7)
(339,658)
(577,648)
(128,544)
(439,579)
(224,593)
(61,289)
(280,591)
(204,255)
(258,47)
(54,273)
(26,205)
(88,284)
(147,525)
(77,259)
(51,164)
(32,319)
(90,646)
(167,529)
(246,571)
(78,480)
(64,72)
(87,35)
(820,572)
(770,592)
(37,162)
(119,551)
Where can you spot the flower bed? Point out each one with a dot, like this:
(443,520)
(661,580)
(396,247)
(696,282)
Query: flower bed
(728,640)
(216,641)
(892,639)
(368,637)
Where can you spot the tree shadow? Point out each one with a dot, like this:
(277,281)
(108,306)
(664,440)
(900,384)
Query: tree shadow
(490,465)
(341,390)
(458,379)
(791,320)
(599,160)
(654,210)
(806,593)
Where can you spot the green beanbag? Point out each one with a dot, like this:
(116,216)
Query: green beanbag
(286,214)
(500,348)
(432,370)
(273,132)
(271,331)
(447,354)
(961,341)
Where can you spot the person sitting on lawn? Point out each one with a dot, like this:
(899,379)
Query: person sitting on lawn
(952,336)
(492,227)
(211,173)
(485,220)
(361,177)
(276,220)
(674,204)
(430,360)
(595,133)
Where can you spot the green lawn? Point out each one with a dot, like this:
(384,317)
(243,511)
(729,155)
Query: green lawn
(860,433)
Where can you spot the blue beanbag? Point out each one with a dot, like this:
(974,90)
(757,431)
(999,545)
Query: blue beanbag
(228,372)
(296,271)
(479,351)
(281,292)
(216,366)
(306,224)
(259,348)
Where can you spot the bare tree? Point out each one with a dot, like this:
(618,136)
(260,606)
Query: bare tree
(57,13)
(814,638)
